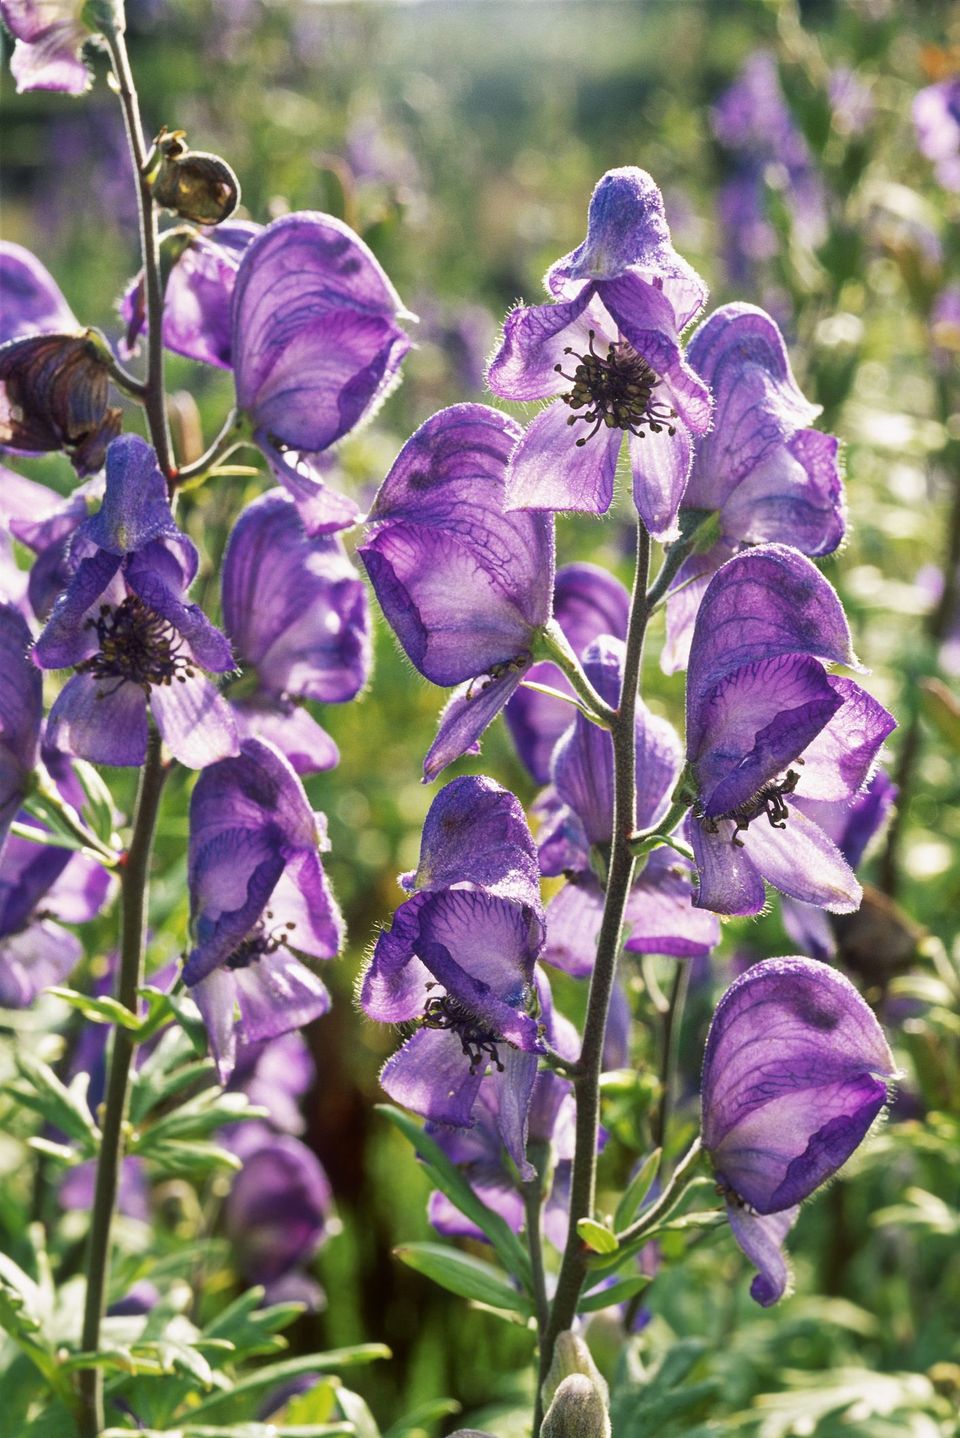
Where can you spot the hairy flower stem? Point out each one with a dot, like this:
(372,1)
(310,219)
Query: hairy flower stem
(671,1053)
(587,1080)
(533,1210)
(133,922)
(154,397)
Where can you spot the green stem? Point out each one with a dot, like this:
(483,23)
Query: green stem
(134,881)
(587,1082)
(656,1211)
(555,646)
(533,1209)
(671,1056)
(232,436)
(154,397)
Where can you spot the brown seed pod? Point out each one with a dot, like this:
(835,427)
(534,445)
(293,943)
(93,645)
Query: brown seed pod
(196,185)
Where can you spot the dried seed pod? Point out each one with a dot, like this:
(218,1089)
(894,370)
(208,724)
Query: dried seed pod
(196,185)
(53,395)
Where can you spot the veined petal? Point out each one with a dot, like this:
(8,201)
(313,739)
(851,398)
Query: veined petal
(102,720)
(396,984)
(801,861)
(476,836)
(492,942)
(535,343)
(660,915)
(645,317)
(431,1075)
(276,995)
(196,722)
(37,957)
(51,61)
(761,1239)
(464,718)
(135,508)
(515,1091)
(323,510)
(660,464)
(549,470)
(66,638)
(794,496)
(838,762)
(574,916)
(290,729)
(728,882)
(32,300)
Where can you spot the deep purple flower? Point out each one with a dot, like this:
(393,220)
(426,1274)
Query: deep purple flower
(578,822)
(275,1074)
(296,611)
(125,627)
(54,390)
(766,474)
(277,1215)
(851,824)
(465,587)
(31,302)
(793,1078)
(607,351)
(198,299)
(50,36)
(258,899)
(457,965)
(316,349)
(45,522)
(936,118)
(760,702)
(41,889)
(587,602)
(21,710)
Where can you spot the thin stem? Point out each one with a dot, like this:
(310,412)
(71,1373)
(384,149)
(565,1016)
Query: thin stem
(656,1210)
(670,1057)
(533,1209)
(232,436)
(587,1083)
(134,881)
(154,397)
(555,646)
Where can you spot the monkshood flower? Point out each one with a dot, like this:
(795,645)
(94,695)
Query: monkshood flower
(277,1215)
(198,299)
(316,349)
(45,522)
(133,640)
(936,119)
(296,611)
(457,965)
(258,900)
(607,353)
(578,823)
(587,602)
(466,587)
(851,825)
(764,473)
(21,710)
(54,390)
(50,36)
(759,702)
(793,1077)
(31,302)
(275,1074)
(43,887)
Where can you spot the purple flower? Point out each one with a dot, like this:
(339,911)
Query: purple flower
(578,823)
(316,349)
(258,899)
(30,299)
(45,522)
(197,301)
(123,624)
(457,966)
(945,327)
(21,710)
(793,1078)
(275,1074)
(851,101)
(277,1216)
(759,701)
(50,36)
(587,602)
(608,353)
(296,611)
(53,396)
(41,889)
(766,475)
(936,118)
(465,587)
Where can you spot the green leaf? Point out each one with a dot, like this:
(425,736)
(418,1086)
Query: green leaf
(193,1157)
(596,1236)
(424,1416)
(100,1011)
(941,708)
(620,1292)
(451,1182)
(98,809)
(64,1108)
(238,1430)
(195,1119)
(252,1330)
(354,1409)
(462,1274)
(274,1373)
(166,1072)
(637,1190)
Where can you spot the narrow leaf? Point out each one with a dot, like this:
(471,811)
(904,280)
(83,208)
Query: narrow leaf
(60,1106)
(596,1236)
(462,1274)
(616,1293)
(100,1011)
(275,1373)
(637,1190)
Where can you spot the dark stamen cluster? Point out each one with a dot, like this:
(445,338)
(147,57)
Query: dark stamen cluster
(769,800)
(258,943)
(137,645)
(616,391)
(479,1043)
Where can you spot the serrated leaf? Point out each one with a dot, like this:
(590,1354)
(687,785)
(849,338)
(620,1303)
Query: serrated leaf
(276,1373)
(100,1011)
(462,1274)
(637,1190)
(620,1292)
(597,1238)
(452,1183)
(62,1107)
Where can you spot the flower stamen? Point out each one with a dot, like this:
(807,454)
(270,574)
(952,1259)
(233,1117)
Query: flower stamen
(769,800)
(478,1042)
(137,646)
(616,392)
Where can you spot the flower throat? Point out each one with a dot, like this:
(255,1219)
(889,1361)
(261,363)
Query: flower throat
(616,392)
(137,645)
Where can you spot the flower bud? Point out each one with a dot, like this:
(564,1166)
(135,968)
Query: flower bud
(196,185)
(577,1411)
(571,1356)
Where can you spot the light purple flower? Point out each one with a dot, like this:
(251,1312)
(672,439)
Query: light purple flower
(275,1074)
(759,702)
(296,611)
(21,710)
(124,626)
(587,602)
(277,1216)
(607,352)
(936,118)
(316,349)
(258,899)
(31,302)
(457,965)
(766,474)
(45,522)
(794,1074)
(851,100)
(466,587)
(50,36)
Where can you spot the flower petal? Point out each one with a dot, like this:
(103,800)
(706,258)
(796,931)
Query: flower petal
(795,496)
(476,836)
(276,995)
(104,725)
(535,343)
(761,1239)
(550,470)
(464,718)
(196,722)
(660,464)
(801,861)
(431,1075)
(728,882)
